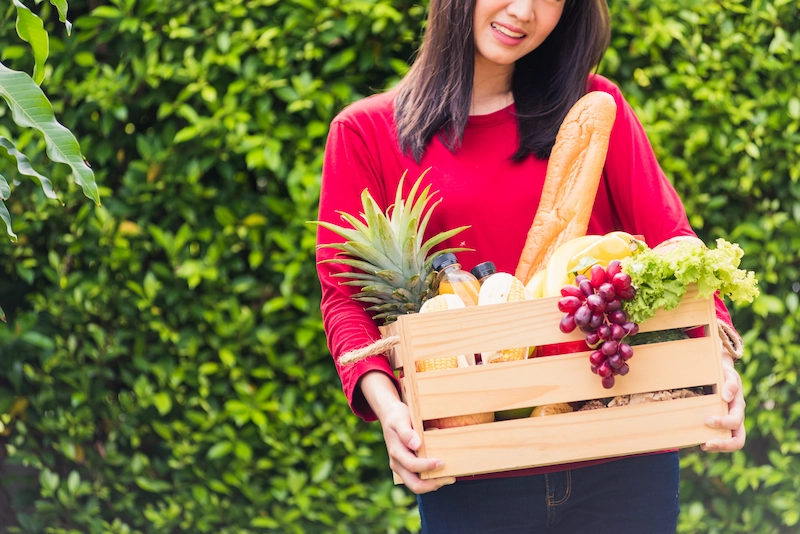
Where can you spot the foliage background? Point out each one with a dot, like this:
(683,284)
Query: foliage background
(164,367)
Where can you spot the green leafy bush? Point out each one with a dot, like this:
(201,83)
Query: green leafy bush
(165,368)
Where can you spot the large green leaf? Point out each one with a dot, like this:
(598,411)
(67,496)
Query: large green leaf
(61,6)
(5,190)
(30,108)
(6,217)
(31,30)
(24,167)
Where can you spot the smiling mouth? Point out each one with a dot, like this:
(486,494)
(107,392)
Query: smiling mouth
(507,32)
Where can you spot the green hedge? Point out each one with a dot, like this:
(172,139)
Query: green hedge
(164,368)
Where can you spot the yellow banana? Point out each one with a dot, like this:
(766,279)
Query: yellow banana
(534,288)
(557,272)
(612,246)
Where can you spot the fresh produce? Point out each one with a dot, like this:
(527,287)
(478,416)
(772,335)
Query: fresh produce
(535,288)
(608,304)
(661,336)
(661,277)
(612,246)
(557,274)
(395,264)
(570,185)
(551,409)
(594,306)
(497,289)
(441,303)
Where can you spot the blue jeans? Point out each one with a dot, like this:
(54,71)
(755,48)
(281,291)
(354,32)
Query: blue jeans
(637,495)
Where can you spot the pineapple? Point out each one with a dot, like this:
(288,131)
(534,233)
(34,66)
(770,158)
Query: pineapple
(395,275)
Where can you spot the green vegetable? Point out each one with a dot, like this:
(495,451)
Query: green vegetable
(661,280)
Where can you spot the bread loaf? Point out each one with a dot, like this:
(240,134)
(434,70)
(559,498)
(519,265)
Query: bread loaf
(570,186)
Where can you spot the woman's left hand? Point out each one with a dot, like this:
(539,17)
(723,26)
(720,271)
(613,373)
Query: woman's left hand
(734,421)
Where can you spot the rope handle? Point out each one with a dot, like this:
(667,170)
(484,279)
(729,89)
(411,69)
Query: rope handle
(373,349)
(731,340)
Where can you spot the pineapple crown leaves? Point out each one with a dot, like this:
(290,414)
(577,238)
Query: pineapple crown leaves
(390,251)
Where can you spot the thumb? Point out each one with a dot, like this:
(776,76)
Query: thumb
(409,437)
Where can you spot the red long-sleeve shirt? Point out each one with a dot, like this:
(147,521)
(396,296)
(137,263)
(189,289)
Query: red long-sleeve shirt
(480,186)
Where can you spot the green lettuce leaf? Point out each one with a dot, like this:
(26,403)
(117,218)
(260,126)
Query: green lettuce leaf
(661,281)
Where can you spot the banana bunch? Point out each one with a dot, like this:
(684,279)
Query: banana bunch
(577,256)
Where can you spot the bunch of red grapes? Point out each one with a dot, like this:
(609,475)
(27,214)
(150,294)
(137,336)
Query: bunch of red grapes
(595,306)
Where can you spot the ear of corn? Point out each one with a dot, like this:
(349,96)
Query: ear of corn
(441,303)
(497,289)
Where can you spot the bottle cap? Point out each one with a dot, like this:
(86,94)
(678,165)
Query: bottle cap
(483,269)
(440,262)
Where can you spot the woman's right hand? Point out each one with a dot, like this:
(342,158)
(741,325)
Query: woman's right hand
(401,440)
(401,443)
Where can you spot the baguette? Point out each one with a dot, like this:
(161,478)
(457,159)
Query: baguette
(570,185)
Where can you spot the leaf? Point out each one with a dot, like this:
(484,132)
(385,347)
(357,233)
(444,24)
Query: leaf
(154,486)
(163,402)
(7,219)
(30,29)
(24,167)
(5,189)
(61,7)
(73,482)
(49,480)
(30,108)
(223,448)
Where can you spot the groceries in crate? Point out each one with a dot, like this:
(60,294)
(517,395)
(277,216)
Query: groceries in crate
(594,306)
(483,271)
(500,288)
(449,301)
(452,279)
(571,181)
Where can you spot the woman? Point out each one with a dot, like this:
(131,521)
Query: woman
(481,107)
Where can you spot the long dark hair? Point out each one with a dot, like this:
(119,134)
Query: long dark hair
(435,96)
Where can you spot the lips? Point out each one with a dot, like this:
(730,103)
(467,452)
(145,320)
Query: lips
(508,32)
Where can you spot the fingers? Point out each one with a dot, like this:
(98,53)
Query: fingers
(734,443)
(401,442)
(734,421)
(403,462)
(409,438)
(732,385)
(419,486)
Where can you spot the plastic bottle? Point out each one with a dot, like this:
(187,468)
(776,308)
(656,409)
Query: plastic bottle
(484,270)
(453,279)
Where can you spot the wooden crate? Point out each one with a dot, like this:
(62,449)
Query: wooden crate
(555,439)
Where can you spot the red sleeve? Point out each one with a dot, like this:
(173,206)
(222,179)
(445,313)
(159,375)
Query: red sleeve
(347,170)
(646,202)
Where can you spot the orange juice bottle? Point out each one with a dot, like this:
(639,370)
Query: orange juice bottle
(453,279)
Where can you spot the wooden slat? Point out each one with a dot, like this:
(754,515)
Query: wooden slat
(692,311)
(564,378)
(518,324)
(571,437)
(392,329)
(410,392)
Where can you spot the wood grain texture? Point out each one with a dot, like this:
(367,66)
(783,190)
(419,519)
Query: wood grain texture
(519,324)
(539,441)
(562,438)
(563,378)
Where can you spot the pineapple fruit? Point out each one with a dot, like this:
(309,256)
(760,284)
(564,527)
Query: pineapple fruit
(391,261)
